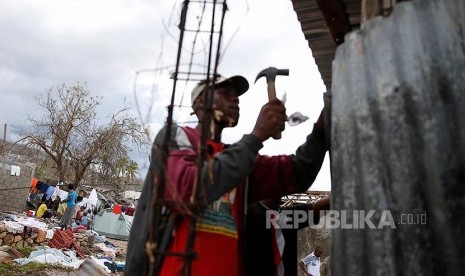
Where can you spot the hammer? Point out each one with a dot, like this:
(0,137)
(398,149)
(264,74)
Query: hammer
(270,73)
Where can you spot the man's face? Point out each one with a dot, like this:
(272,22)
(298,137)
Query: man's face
(226,101)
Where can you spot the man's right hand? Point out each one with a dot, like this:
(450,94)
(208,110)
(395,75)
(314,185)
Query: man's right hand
(271,120)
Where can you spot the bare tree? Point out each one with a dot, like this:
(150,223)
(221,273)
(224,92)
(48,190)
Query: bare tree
(115,167)
(72,136)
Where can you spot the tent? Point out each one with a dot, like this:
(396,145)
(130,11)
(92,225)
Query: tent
(113,226)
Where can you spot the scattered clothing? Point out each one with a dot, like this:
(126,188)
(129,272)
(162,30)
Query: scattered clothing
(79,228)
(91,267)
(13,227)
(110,252)
(31,222)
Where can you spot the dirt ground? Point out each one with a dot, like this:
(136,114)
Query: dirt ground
(122,246)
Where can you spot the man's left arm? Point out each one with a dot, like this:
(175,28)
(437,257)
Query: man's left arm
(309,156)
(272,174)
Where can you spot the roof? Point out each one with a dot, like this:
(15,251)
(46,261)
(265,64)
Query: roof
(324,24)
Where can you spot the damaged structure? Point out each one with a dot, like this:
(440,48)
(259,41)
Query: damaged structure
(396,72)
(14,184)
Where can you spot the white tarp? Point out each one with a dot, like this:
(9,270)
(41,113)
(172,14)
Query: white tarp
(131,194)
(45,254)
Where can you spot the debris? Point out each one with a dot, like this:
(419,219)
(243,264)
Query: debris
(45,254)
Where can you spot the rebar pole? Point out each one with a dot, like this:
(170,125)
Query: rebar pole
(159,189)
(198,200)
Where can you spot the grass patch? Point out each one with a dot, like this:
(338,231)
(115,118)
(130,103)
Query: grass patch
(26,251)
(30,269)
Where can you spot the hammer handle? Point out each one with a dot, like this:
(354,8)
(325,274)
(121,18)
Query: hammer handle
(271,90)
(272,96)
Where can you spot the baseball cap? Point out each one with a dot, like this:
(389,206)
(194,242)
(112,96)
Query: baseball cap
(239,82)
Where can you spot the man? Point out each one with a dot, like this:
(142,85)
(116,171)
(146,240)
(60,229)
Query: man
(270,250)
(42,211)
(232,176)
(67,218)
(311,263)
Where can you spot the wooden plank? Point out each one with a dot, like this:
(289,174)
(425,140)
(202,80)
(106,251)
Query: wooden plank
(335,17)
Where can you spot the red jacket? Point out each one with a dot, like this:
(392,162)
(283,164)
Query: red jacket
(219,231)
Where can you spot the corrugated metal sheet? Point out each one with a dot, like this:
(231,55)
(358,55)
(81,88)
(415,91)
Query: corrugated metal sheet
(398,141)
(318,35)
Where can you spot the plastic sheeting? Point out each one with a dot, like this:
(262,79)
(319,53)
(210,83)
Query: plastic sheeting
(398,142)
(45,254)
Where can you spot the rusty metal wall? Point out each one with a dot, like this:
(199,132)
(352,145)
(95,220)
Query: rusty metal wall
(398,142)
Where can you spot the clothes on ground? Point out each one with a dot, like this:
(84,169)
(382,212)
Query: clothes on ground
(312,263)
(79,228)
(31,222)
(219,233)
(108,251)
(13,227)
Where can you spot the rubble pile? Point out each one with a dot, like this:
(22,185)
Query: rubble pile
(23,239)
(84,241)
(70,247)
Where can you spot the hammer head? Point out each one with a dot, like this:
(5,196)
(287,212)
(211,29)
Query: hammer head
(271,72)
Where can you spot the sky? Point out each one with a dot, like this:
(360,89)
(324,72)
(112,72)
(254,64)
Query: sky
(124,50)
